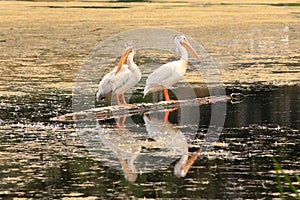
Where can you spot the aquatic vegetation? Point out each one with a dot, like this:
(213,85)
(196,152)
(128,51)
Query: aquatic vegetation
(286,179)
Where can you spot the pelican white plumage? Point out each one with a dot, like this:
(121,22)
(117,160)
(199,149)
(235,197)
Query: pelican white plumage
(121,78)
(170,73)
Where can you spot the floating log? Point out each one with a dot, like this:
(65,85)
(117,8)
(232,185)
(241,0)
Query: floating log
(108,112)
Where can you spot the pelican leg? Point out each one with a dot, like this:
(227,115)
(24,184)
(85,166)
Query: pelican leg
(123,120)
(166,117)
(166,95)
(118,123)
(118,101)
(123,99)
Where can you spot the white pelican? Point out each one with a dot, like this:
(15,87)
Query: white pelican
(170,73)
(121,78)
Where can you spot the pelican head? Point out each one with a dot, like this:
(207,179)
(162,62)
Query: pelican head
(182,41)
(180,169)
(129,50)
(185,163)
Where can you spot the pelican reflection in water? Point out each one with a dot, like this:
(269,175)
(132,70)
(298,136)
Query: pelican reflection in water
(120,146)
(123,146)
(164,132)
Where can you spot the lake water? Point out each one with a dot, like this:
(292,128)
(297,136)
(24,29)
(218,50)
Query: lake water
(41,158)
(151,155)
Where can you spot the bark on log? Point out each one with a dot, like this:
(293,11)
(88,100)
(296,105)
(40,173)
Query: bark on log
(108,112)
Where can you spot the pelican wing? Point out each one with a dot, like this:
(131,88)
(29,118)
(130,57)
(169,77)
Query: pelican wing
(105,85)
(163,77)
(121,79)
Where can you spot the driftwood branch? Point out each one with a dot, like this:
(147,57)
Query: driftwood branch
(108,112)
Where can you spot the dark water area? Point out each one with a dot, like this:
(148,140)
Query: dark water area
(278,106)
(44,159)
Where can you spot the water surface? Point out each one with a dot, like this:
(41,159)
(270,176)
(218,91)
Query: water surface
(256,48)
(116,161)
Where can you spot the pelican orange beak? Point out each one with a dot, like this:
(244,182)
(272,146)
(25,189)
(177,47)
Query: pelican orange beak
(190,162)
(190,48)
(122,59)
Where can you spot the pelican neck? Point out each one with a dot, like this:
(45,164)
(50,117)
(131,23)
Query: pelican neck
(130,62)
(183,52)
